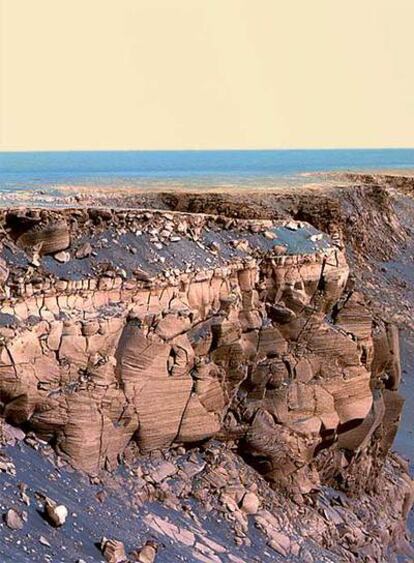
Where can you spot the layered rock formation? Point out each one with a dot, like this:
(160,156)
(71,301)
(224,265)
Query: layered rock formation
(172,328)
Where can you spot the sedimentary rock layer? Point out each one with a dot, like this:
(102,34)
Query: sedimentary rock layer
(171,328)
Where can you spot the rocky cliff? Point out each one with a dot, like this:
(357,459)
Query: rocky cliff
(164,329)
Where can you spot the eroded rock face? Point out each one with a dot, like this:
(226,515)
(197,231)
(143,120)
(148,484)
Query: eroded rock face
(173,328)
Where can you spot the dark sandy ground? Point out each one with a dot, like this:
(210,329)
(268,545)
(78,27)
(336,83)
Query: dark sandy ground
(89,519)
(404,441)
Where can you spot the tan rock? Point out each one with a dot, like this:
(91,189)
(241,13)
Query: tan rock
(54,237)
(62,257)
(147,554)
(14,519)
(113,551)
(84,251)
(162,471)
(55,513)
(250,503)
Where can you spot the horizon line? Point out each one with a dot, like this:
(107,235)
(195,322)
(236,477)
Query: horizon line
(289,149)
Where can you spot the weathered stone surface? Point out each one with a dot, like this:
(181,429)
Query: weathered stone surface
(48,238)
(205,329)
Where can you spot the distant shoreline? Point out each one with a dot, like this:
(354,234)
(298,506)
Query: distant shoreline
(73,195)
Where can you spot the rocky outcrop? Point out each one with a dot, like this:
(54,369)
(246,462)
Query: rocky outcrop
(358,208)
(173,328)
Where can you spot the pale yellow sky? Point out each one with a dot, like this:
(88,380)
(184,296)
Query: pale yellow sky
(193,74)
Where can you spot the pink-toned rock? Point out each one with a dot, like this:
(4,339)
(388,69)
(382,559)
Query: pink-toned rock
(250,503)
(235,345)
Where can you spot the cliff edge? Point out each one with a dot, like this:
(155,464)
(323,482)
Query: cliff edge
(126,332)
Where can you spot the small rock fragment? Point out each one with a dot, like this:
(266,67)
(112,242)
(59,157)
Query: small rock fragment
(35,261)
(44,541)
(62,257)
(113,550)
(242,245)
(7,466)
(279,542)
(101,496)
(84,251)
(250,503)
(12,433)
(15,520)
(279,249)
(23,495)
(215,247)
(55,513)
(164,470)
(141,275)
(147,554)
(292,226)
(280,314)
